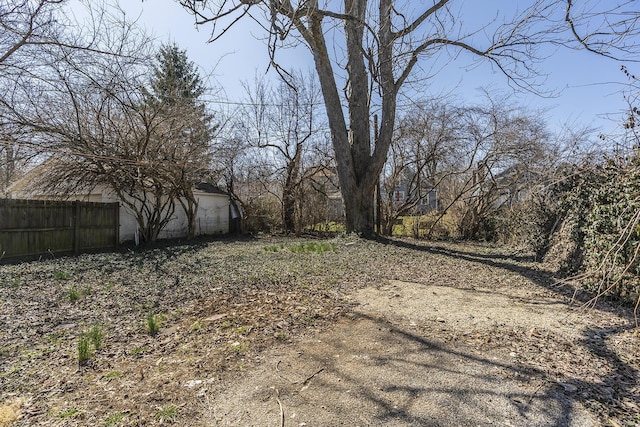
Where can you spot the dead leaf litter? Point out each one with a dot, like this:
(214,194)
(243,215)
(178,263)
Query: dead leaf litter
(222,307)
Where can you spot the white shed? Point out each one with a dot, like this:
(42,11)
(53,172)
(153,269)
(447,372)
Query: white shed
(212,216)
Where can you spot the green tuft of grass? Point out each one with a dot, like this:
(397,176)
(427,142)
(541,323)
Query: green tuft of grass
(84,349)
(313,247)
(10,282)
(167,413)
(61,275)
(114,419)
(196,325)
(138,350)
(89,341)
(226,324)
(96,335)
(109,287)
(274,248)
(113,374)
(153,324)
(242,330)
(68,413)
(73,294)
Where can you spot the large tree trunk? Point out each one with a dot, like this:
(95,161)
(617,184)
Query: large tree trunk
(289,210)
(374,64)
(358,168)
(289,195)
(359,210)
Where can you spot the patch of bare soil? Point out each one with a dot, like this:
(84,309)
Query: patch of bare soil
(257,333)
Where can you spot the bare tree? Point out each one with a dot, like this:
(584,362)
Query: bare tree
(15,158)
(379,46)
(477,159)
(27,29)
(27,24)
(95,114)
(511,142)
(228,161)
(427,140)
(282,122)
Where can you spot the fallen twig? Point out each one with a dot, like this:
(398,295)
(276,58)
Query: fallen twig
(305,382)
(281,408)
(282,377)
(533,395)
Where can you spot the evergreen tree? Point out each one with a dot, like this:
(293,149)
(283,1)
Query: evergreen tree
(175,98)
(175,78)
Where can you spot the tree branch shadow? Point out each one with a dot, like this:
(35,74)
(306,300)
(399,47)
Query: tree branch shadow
(512,263)
(412,380)
(611,391)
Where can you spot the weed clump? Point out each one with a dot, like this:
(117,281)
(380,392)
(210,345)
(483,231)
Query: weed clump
(167,413)
(115,419)
(73,295)
(274,248)
(89,342)
(61,275)
(68,413)
(96,335)
(313,247)
(84,350)
(153,324)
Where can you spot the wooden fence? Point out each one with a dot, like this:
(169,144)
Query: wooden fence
(33,227)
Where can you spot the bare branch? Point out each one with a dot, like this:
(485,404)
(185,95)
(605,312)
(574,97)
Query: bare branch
(420,20)
(617,29)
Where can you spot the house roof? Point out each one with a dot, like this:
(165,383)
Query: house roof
(29,183)
(209,188)
(34,182)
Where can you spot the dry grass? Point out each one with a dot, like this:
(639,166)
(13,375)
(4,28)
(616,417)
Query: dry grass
(219,305)
(10,411)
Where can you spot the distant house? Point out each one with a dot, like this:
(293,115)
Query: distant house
(514,184)
(215,215)
(322,185)
(427,203)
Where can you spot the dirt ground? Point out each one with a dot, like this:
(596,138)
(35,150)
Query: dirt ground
(367,334)
(411,354)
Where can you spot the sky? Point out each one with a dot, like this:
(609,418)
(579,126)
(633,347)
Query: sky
(589,87)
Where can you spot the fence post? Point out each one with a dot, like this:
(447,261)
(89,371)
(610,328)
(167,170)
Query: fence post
(76,226)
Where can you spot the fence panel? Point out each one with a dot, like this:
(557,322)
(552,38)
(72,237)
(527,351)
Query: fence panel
(33,227)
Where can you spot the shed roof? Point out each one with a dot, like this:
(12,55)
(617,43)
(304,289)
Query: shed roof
(210,188)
